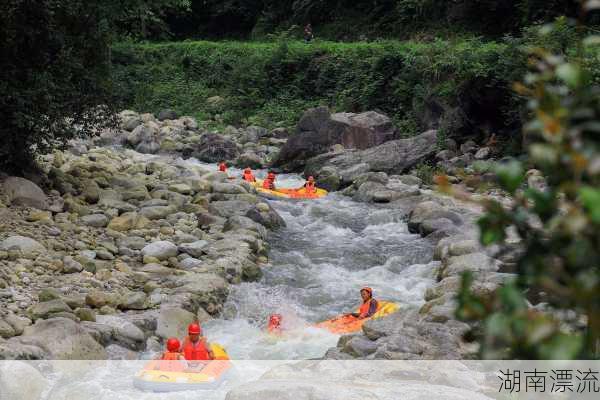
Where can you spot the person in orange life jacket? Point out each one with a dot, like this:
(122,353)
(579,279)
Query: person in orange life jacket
(269,183)
(172,353)
(274,324)
(195,347)
(222,166)
(369,305)
(310,185)
(248,176)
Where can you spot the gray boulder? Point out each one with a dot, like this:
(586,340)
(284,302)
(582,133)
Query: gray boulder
(21,381)
(167,114)
(63,339)
(194,249)
(27,246)
(318,131)
(213,148)
(95,220)
(161,250)
(23,192)
(173,321)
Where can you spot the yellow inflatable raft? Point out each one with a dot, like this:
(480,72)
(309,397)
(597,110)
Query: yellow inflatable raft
(299,193)
(172,376)
(349,324)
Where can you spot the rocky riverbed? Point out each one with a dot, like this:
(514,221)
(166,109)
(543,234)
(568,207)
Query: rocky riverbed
(132,238)
(124,250)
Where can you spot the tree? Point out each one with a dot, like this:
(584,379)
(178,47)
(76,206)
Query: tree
(558,226)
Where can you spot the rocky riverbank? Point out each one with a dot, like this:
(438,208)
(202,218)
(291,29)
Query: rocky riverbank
(126,248)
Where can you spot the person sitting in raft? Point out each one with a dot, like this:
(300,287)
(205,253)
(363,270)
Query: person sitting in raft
(172,353)
(274,325)
(195,347)
(369,305)
(223,167)
(269,183)
(310,185)
(249,176)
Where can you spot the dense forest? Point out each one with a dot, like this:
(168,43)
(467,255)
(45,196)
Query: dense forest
(344,19)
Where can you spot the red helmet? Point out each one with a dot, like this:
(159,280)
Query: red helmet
(194,329)
(275,318)
(368,290)
(247,170)
(311,179)
(271,175)
(173,345)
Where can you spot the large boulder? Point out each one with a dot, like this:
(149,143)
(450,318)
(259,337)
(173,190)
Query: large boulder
(21,381)
(63,339)
(266,215)
(161,250)
(173,321)
(214,148)
(318,131)
(28,247)
(394,157)
(23,192)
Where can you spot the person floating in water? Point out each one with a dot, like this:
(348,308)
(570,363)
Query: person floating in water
(369,305)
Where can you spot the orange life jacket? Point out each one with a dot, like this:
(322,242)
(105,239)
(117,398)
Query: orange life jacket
(195,351)
(268,184)
(170,356)
(248,177)
(366,307)
(310,187)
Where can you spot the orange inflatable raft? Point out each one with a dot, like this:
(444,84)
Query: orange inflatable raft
(172,376)
(299,193)
(349,324)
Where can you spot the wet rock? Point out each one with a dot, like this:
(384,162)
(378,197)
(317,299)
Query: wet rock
(190,263)
(63,339)
(329,179)
(367,190)
(22,192)
(430,210)
(359,346)
(265,215)
(95,220)
(161,250)
(173,321)
(228,188)
(21,381)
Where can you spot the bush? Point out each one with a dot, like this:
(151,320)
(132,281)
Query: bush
(558,226)
(275,82)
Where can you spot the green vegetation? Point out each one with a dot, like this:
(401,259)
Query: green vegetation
(558,225)
(270,84)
